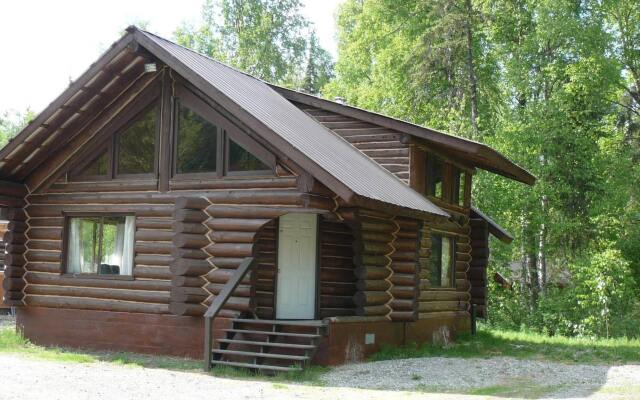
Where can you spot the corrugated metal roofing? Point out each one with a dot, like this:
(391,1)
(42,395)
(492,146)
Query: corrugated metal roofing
(327,151)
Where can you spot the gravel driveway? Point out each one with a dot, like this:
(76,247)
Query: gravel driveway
(25,378)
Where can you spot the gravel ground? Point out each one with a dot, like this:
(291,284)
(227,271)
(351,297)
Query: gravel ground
(37,379)
(419,378)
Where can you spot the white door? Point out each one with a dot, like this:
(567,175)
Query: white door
(296,292)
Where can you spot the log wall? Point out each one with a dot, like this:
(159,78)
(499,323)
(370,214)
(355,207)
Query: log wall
(15,241)
(383,145)
(478,265)
(443,302)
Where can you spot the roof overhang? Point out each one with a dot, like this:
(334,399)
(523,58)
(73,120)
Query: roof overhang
(478,154)
(494,229)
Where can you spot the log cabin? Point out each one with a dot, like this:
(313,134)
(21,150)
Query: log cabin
(167,203)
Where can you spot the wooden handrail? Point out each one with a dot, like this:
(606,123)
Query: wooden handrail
(218,302)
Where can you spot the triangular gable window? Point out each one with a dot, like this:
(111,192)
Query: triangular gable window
(240,160)
(136,146)
(96,168)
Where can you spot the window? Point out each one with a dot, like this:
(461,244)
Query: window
(435,172)
(129,153)
(136,146)
(459,189)
(205,149)
(240,160)
(441,263)
(197,143)
(100,245)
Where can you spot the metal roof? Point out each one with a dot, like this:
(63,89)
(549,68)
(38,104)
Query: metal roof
(331,159)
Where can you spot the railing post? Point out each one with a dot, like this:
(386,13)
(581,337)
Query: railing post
(207,344)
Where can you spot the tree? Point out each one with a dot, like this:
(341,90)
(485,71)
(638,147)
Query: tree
(264,38)
(319,69)
(11,123)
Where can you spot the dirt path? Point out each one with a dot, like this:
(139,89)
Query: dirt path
(26,378)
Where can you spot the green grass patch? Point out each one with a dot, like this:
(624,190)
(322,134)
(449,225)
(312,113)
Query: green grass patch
(519,389)
(12,342)
(522,345)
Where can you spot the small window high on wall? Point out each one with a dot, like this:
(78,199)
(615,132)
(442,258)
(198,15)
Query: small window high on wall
(100,245)
(441,263)
(435,175)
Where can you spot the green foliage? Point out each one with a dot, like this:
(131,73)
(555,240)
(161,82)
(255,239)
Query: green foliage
(11,123)
(557,85)
(264,38)
(523,345)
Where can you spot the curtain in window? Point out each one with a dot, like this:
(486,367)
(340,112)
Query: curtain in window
(128,245)
(75,262)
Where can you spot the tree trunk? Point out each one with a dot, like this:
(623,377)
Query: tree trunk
(473,83)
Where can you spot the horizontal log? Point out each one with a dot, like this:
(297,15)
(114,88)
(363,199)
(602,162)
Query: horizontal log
(152,272)
(366,272)
(45,234)
(374,248)
(190,216)
(223,276)
(141,210)
(371,298)
(409,256)
(241,291)
(95,304)
(12,189)
(236,224)
(143,296)
(249,212)
(441,295)
(230,250)
(193,295)
(187,309)
(242,304)
(373,285)
(190,267)
(367,236)
(106,186)
(153,260)
(104,198)
(404,279)
(337,288)
(45,245)
(232,237)
(17,214)
(195,254)
(370,311)
(187,281)
(326,312)
(154,235)
(406,245)
(14,272)
(373,260)
(334,301)
(257,183)
(43,256)
(227,262)
(195,203)
(190,227)
(441,306)
(154,223)
(159,248)
(37,278)
(45,267)
(403,267)
(13,295)
(403,304)
(403,316)
(404,292)
(337,275)
(260,197)
(190,241)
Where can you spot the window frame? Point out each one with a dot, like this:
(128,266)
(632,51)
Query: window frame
(225,130)
(452,256)
(450,186)
(110,145)
(68,216)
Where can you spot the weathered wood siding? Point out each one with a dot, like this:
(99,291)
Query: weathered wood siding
(383,145)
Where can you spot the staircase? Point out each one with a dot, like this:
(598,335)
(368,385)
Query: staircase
(268,345)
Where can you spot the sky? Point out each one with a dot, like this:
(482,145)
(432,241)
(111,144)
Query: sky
(45,44)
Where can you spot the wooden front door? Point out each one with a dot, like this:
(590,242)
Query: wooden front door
(297,246)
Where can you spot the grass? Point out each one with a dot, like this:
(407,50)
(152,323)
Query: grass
(517,388)
(490,343)
(13,343)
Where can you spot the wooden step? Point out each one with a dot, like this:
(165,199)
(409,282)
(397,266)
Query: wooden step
(261,355)
(256,366)
(270,344)
(270,333)
(292,322)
